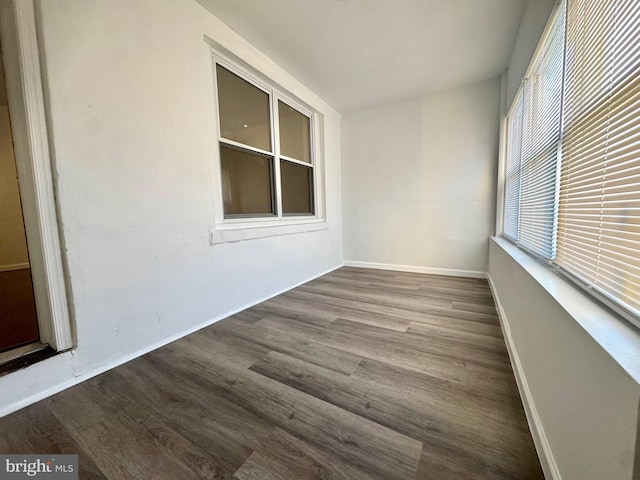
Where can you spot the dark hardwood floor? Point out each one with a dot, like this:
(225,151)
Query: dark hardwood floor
(360,374)
(18,322)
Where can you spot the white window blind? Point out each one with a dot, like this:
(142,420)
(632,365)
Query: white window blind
(534,135)
(599,199)
(512,170)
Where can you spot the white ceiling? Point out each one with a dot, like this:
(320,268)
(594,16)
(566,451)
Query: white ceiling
(358,53)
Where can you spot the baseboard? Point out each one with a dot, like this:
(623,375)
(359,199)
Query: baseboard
(412,269)
(132,356)
(547,460)
(14,266)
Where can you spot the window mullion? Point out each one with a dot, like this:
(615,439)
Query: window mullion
(275,132)
(314,176)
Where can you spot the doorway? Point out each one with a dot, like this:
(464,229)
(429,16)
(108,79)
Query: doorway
(18,319)
(36,287)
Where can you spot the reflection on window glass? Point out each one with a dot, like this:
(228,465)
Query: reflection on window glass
(295,139)
(246,183)
(244,111)
(296,189)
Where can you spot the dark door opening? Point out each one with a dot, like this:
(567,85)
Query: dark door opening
(18,321)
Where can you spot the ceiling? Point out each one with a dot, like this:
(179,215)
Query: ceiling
(358,53)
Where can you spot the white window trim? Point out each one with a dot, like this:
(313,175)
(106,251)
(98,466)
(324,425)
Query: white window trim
(226,230)
(28,123)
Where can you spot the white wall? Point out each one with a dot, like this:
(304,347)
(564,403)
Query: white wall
(534,19)
(13,244)
(130,96)
(586,403)
(419,179)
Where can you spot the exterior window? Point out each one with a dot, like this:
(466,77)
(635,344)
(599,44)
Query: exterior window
(533,142)
(266,150)
(572,179)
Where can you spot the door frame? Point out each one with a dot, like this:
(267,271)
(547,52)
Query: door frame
(33,161)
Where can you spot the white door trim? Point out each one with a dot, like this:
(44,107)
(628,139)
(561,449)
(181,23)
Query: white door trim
(29,128)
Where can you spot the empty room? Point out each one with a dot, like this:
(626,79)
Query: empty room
(328,239)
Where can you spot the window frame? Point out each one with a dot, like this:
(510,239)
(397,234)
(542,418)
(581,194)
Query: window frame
(275,94)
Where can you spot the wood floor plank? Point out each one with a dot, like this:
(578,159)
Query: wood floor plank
(227,348)
(482,404)
(249,315)
(436,305)
(436,464)
(317,306)
(282,341)
(285,457)
(400,279)
(459,324)
(224,430)
(407,276)
(429,290)
(389,283)
(462,338)
(451,370)
(407,301)
(282,305)
(489,309)
(306,298)
(378,451)
(440,345)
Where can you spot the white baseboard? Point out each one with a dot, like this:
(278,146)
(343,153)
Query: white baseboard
(547,460)
(127,358)
(408,268)
(14,266)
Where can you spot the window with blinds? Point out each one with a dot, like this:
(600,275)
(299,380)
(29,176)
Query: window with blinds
(599,207)
(576,199)
(532,155)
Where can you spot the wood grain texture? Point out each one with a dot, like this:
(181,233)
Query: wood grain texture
(360,374)
(285,457)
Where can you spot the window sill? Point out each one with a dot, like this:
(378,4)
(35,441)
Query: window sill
(230,232)
(619,338)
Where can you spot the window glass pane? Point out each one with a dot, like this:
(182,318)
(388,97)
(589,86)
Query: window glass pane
(512,172)
(297,182)
(295,138)
(247,185)
(540,144)
(244,111)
